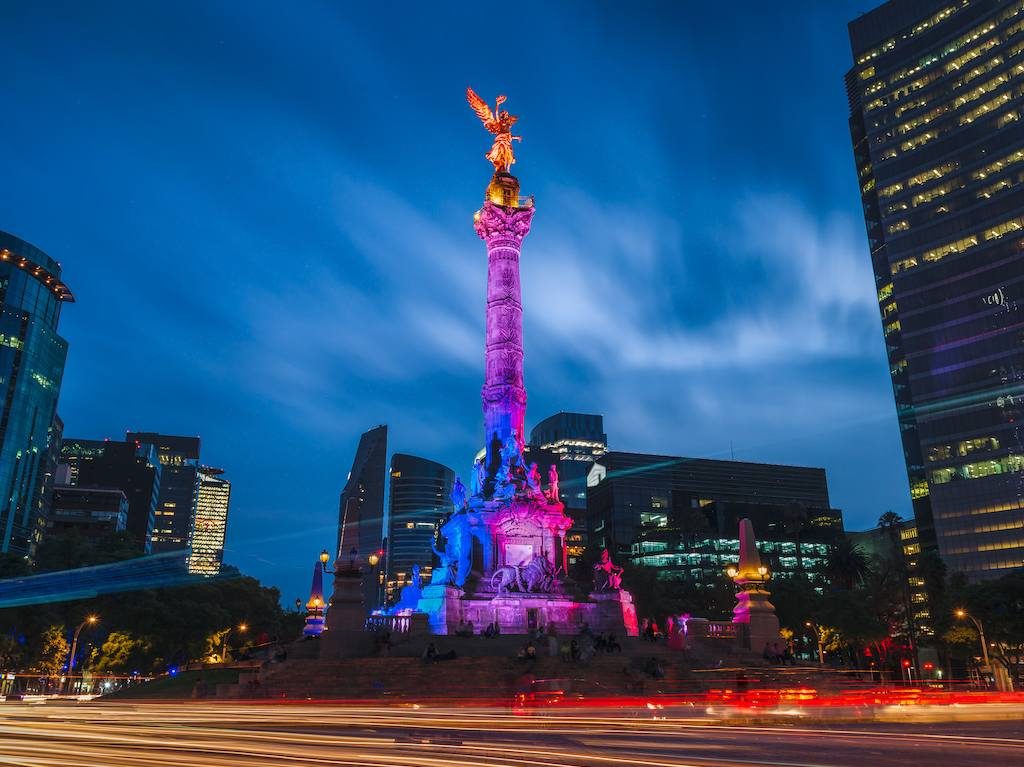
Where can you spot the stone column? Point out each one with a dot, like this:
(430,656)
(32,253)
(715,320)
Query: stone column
(504,393)
(346,635)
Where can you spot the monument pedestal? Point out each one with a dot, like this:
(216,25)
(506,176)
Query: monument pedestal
(520,613)
(614,612)
(756,615)
(346,635)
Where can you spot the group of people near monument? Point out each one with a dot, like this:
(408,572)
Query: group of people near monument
(781,654)
(578,649)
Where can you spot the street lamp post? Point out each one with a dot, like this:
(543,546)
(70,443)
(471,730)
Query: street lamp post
(961,614)
(242,628)
(89,621)
(817,635)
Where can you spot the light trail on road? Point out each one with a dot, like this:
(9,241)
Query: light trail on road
(202,734)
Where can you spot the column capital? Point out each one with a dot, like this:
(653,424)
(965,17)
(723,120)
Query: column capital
(496,222)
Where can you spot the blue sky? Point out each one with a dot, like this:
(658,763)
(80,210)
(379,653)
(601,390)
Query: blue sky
(265,216)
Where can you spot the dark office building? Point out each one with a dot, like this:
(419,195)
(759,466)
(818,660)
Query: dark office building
(32,357)
(134,469)
(938,137)
(682,515)
(74,453)
(419,498)
(575,441)
(179,487)
(361,509)
(88,512)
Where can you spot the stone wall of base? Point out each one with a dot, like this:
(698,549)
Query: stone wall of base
(516,613)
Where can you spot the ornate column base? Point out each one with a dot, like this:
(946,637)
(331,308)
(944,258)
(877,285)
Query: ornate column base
(756,615)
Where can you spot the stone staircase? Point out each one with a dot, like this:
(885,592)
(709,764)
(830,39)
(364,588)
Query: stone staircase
(487,669)
(482,671)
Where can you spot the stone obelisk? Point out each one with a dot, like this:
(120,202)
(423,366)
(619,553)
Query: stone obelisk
(502,223)
(753,610)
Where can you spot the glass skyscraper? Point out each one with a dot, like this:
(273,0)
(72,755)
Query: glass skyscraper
(210,524)
(32,357)
(938,137)
(361,508)
(419,498)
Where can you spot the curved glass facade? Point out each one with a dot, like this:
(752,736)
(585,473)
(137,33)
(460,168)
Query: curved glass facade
(419,499)
(32,357)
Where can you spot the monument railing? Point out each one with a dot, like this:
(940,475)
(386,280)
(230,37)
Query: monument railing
(396,624)
(721,630)
(700,628)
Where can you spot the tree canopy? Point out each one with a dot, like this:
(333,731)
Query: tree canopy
(147,630)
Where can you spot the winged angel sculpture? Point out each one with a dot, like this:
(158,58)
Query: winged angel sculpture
(499,122)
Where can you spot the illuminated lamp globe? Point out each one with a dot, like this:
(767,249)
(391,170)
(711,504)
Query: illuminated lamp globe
(373,559)
(324,557)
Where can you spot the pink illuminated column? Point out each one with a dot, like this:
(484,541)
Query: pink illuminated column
(504,393)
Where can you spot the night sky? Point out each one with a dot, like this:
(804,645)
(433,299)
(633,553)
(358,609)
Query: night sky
(266,219)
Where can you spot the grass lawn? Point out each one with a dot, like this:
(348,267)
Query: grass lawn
(178,687)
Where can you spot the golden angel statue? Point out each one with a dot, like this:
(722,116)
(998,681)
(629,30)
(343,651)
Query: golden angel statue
(498,122)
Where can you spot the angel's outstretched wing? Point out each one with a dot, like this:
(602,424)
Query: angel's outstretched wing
(480,107)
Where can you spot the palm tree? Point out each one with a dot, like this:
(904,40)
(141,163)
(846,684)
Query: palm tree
(890,522)
(846,564)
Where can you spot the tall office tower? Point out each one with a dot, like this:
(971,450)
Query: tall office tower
(210,525)
(179,487)
(418,500)
(938,139)
(681,514)
(131,468)
(361,509)
(575,440)
(32,357)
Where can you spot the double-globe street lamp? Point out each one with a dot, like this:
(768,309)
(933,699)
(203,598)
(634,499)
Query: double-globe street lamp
(90,620)
(373,559)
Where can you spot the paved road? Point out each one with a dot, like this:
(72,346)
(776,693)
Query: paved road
(218,735)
